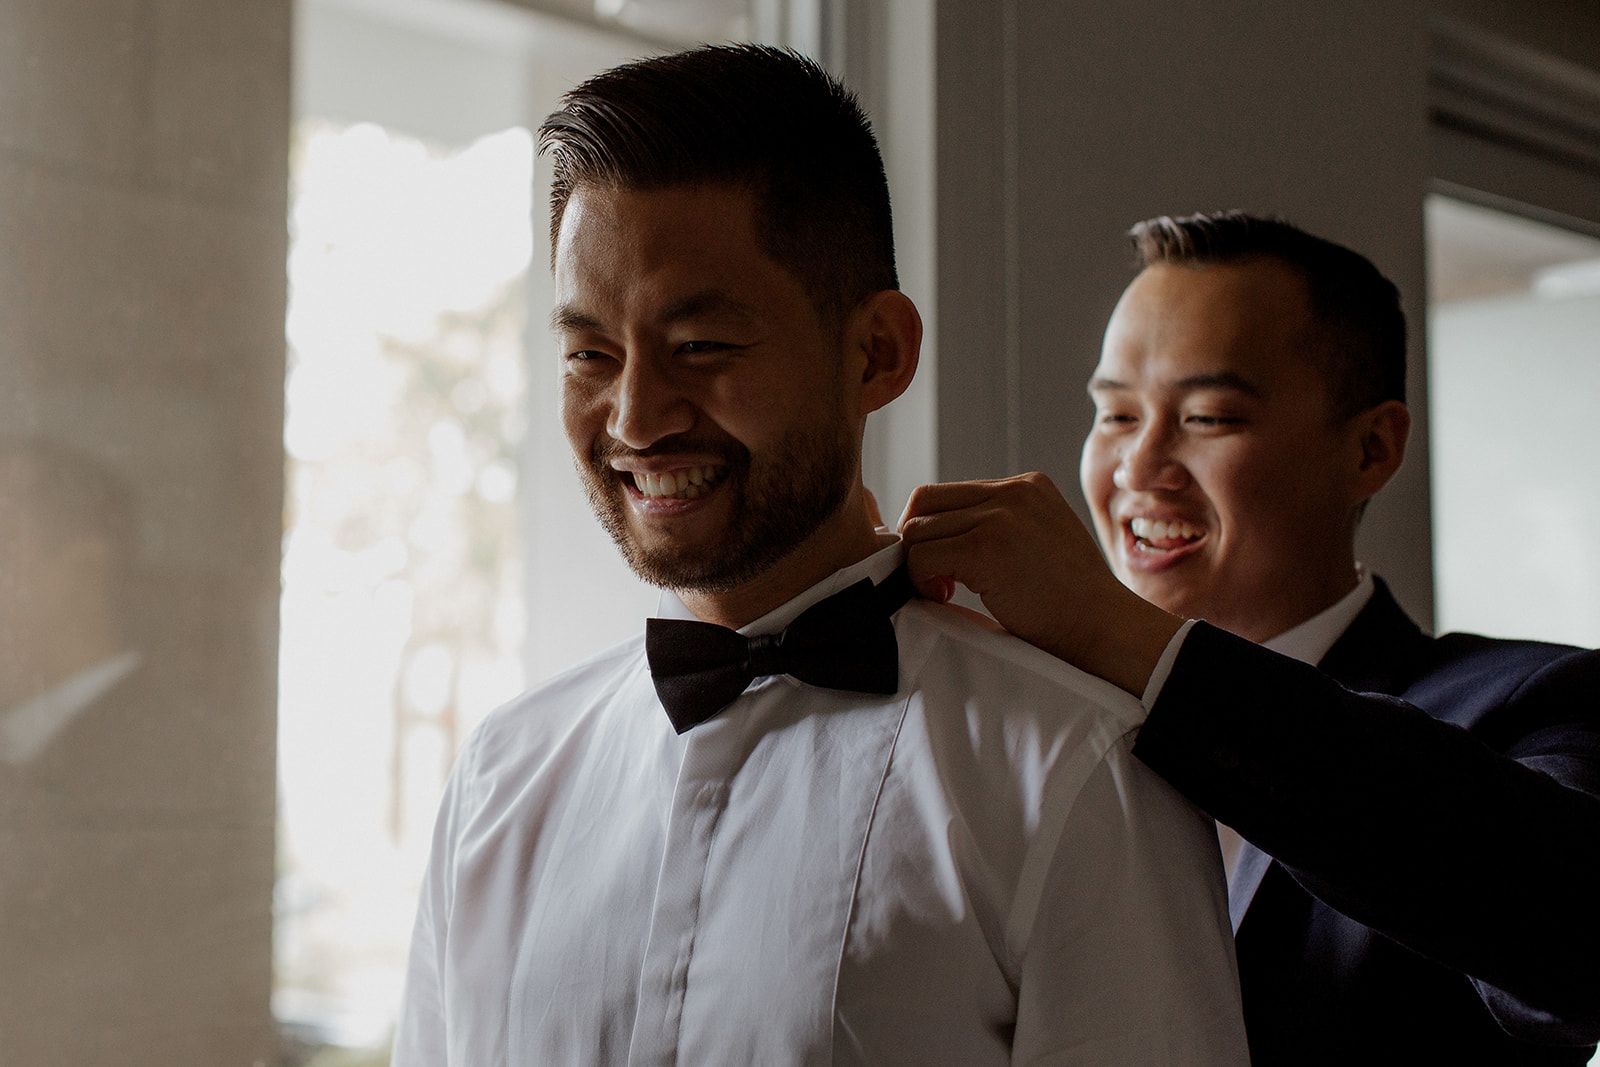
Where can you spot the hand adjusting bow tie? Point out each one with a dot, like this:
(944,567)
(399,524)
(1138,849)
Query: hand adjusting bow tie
(843,642)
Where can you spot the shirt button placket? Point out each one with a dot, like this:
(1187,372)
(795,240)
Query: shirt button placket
(698,801)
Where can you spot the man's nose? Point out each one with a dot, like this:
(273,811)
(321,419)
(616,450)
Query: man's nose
(1150,462)
(648,405)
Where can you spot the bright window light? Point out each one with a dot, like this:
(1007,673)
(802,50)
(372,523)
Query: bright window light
(402,604)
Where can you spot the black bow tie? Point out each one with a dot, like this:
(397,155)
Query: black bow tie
(843,642)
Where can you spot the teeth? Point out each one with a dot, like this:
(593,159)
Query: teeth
(1149,530)
(687,483)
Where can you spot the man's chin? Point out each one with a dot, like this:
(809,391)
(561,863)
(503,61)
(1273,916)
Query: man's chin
(746,525)
(681,564)
(717,566)
(1165,590)
(683,572)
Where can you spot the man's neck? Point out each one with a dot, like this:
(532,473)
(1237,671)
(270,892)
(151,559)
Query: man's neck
(813,561)
(1262,621)
(1310,639)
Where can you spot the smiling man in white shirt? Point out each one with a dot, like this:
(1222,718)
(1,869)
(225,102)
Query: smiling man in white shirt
(872,831)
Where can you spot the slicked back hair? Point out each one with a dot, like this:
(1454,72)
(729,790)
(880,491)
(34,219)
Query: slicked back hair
(1360,342)
(748,116)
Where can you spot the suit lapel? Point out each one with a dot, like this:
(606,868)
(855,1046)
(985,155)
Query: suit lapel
(1377,652)
(1373,655)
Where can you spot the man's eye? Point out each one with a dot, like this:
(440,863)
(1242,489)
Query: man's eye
(586,361)
(1115,420)
(696,348)
(1212,421)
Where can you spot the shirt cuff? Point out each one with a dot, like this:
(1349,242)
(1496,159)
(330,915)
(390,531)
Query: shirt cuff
(1169,656)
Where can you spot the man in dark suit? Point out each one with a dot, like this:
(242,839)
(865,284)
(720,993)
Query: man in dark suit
(1418,879)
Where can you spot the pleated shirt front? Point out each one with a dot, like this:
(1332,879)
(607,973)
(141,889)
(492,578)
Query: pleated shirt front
(973,870)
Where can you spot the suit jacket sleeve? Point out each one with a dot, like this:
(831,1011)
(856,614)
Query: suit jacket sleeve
(1487,861)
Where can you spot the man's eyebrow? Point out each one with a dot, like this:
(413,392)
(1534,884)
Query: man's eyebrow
(568,319)
(708,303)
(1098,384)
(1228,380)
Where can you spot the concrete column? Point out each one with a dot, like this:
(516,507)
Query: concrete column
(143,163)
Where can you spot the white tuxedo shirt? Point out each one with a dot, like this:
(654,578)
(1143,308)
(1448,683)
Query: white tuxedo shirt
(974,870)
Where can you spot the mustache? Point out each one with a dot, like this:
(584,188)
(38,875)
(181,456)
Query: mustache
(607,448)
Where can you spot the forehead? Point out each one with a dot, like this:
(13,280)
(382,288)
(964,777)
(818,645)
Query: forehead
(702,234)
(1175,323)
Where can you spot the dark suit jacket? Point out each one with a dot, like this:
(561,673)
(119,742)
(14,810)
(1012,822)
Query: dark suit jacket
(1437,819)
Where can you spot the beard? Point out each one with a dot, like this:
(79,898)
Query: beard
(777,501)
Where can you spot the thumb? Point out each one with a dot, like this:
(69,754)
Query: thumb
(938,588)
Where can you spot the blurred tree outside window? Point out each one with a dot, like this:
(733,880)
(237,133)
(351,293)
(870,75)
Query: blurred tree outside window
(403,616)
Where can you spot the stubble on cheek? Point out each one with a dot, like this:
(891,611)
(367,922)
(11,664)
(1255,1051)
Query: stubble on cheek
(680,566)
(772,505)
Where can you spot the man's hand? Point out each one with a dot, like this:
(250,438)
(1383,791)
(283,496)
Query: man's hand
(1017,544)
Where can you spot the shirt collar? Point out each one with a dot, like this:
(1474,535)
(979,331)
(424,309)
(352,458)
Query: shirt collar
(1310,640)
(877,567)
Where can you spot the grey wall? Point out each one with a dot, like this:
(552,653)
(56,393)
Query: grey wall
(1565,29)
(1061,124)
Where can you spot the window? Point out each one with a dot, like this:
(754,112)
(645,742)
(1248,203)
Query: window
(1514,310)
(438,551)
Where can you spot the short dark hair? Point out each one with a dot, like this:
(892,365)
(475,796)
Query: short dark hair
(765,119)
(1361,342)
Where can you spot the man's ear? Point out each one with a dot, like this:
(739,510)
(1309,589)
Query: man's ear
(1382,433)
(884,339)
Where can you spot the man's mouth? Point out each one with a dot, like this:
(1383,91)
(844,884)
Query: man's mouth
(686,483)
(1152,535)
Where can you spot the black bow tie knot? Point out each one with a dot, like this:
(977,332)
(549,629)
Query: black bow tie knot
(766,655)
(843,642)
